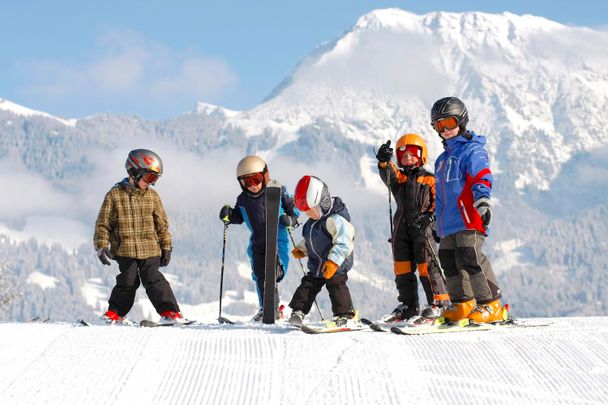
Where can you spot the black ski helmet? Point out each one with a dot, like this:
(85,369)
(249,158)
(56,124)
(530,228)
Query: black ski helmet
(450,107)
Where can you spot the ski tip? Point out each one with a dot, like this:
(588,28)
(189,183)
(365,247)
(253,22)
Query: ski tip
(82,322)
(274,183)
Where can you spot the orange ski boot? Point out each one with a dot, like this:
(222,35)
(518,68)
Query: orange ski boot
(492,311)
(458,310)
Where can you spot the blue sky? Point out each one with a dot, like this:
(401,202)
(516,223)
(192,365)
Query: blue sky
(156,59)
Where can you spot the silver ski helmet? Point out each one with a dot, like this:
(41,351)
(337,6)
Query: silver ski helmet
(312,192)
(144,164)
(450,107)
(252,170)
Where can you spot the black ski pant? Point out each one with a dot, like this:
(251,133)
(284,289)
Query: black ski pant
(339,294)
(467,270)
(410,253)
(157,287)
(259,276)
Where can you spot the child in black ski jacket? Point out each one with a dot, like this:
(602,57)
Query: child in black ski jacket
(414,190)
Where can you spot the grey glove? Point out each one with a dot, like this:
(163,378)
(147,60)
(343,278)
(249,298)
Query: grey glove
(485,212)
(288,221)
(104,255)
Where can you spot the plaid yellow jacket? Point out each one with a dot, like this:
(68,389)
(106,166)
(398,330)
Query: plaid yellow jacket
(133,222)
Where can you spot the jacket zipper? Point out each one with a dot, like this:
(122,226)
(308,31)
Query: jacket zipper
(464,211)
(312,246)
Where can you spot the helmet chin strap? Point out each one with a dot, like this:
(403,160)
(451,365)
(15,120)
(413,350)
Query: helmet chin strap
(135,182)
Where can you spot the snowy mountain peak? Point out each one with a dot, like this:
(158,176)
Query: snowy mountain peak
(214,110)
(391,18)
(27,112)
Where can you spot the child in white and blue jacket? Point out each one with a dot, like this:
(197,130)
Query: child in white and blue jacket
(328,242)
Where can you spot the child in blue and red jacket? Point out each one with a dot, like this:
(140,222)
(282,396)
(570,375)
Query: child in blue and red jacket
(463,211)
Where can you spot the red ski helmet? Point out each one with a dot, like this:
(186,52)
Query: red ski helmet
(310,193)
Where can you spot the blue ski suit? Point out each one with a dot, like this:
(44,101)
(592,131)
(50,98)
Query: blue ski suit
(251,210)
(463,176)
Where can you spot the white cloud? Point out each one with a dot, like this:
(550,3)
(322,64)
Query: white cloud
(26,193)
(125,64)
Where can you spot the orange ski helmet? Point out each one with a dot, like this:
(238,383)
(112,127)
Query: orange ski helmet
(414,143)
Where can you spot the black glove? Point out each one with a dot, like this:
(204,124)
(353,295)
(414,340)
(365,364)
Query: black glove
(280,273)
(385,153)
(288,221)
(104,254)
(165,258)
(226,214)
(483,209)
(422,221)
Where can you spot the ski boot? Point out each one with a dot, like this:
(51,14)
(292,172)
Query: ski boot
(403,312)
(258,316)
(490,312)
(112,318)
(297,318)
(278,314)
(458,310)
(172,318)
(347,321)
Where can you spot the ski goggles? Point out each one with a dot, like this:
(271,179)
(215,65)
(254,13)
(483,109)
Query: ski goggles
(447,123)
(251,179)
(150,177)
(413,149)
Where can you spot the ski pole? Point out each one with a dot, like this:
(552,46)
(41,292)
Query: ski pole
(304,271)
(220,318)
(390,205)
(434,255)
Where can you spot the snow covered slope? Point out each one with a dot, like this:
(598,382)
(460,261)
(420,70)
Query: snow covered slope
(563,363)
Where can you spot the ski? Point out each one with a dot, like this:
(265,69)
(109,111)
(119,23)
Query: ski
(461,326)
(151,324)
(312,330)
(272,204)
(102,322)
(380,326)
(385,326)
(330,326)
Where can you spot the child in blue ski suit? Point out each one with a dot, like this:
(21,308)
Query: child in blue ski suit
(463,211)
(253,177)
